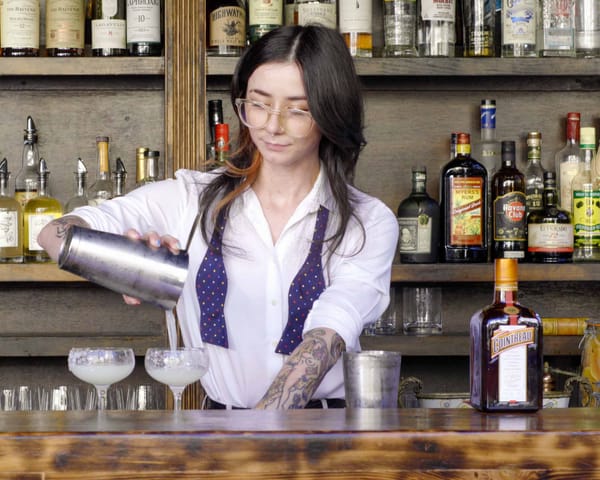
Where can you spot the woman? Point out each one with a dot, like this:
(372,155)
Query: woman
(290,262)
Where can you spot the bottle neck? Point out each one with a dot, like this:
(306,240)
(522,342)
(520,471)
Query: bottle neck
(4,186)
(504,293)
(30,155)
(103,164)
(573,132)
(463,149)
(550,197)
(80,184)
(419,180)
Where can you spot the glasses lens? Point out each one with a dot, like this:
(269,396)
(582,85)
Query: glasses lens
(253,115)
(295,122)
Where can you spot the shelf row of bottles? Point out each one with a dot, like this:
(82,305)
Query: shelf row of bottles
(427,28)
(24,213)
(489,209)
(74,28)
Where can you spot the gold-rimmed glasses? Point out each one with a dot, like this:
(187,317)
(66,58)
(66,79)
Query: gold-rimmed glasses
(296,122)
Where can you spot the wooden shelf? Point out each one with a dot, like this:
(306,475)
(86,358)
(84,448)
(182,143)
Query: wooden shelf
(82,66)
(451,67)
(456,345)
(484,272)
(36,272)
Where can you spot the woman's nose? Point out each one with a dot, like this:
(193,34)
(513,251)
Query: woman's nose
(273,125)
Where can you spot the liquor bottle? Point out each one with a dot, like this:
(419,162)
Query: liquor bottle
(109,28)
(120,178)
(550,231)
(20,28)
(356,26)
(436,34)
(488,148)
(144,35)
(221,144)
(11,220)
(567,161)
(140,165)
(509,211)
(506,359)
(534,172)
(400,28)
(263,16)
(557,32)
(419,222)
(152,164)
(519,28)
(226,27)
(38,212)
(102,189)
(65,28)
(79,199)
(479,24)
(306,12)
(464,206)
(26,181)
(587,28)
(586,203)
(215,116)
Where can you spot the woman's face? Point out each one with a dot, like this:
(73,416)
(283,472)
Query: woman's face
(280,86)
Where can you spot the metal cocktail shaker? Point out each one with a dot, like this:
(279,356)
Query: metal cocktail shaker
(125,265)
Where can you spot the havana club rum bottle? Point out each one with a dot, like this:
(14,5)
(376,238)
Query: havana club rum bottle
(506,367)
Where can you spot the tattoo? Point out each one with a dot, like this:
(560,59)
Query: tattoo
(304,370)
(63,224)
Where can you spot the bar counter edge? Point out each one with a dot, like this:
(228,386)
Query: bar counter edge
(328,444)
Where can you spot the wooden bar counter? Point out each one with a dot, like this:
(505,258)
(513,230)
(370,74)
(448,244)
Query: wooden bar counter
(326,444)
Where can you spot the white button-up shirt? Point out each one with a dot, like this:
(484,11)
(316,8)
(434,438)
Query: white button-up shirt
(259,274)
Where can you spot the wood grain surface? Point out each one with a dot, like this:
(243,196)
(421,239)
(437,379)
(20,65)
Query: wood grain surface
(334,444)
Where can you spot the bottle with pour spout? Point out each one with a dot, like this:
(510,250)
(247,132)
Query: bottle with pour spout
(26,181)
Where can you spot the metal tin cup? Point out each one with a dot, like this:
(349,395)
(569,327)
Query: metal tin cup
(125,265)
(371,378)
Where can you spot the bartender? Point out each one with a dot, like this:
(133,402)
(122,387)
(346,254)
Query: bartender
(289,261)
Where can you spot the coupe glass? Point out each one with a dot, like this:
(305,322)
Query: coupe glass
(101,367)
(176,368)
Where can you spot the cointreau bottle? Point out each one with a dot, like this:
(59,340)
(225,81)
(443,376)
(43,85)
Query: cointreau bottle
(506,368)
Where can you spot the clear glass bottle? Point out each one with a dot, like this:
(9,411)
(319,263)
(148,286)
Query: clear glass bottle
(519,28)
(436,34)
(464,206)
(356,26)
(225,27)
(590,354)
(102,189)
(400,28)
(557,32)
(586,203)
(20,28)
(152,165)
(38,212)
(65,28)
(534,173)
(419,221)
(79,198)
(11,221)
(567,161)
(488,147)
(109,28)
(26,181)
(263,16)
(479,25)
(144,31)
(550,231)
(506,359)
(306,12)
(509,211)
(119,178)
(587,28)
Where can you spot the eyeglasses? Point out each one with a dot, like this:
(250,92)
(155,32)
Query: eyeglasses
(294,121)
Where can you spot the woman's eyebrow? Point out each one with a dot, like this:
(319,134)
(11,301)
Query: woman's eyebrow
(265,94)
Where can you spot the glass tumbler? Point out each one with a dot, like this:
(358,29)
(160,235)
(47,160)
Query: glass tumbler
(422,310)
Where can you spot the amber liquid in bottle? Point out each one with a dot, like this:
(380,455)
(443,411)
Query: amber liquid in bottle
(506,364)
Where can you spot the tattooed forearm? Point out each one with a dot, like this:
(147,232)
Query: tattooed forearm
(63,224)
(304,369)
(53,234)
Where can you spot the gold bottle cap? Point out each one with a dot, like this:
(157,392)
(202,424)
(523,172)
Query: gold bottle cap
(506,272)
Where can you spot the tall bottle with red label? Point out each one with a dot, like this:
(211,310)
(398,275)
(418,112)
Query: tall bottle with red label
(509,207)
(464,206)
(506,359)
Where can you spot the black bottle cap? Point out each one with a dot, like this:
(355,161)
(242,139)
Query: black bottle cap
(508,146)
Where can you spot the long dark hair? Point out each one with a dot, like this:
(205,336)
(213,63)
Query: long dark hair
(334,100)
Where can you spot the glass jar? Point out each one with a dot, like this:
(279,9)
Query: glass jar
(590,354)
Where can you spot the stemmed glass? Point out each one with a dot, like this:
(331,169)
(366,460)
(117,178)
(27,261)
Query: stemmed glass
(101,367)
(176,368)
